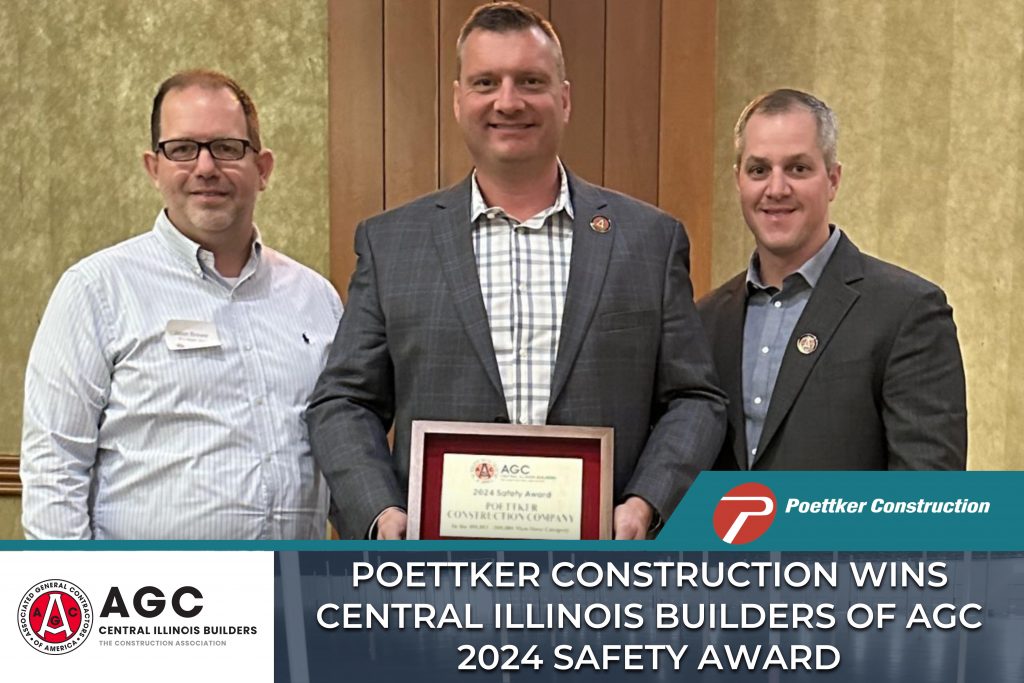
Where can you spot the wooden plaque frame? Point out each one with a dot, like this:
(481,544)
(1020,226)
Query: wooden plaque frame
(431,440)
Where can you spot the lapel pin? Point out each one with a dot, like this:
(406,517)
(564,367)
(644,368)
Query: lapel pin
(807,344)
(600,224)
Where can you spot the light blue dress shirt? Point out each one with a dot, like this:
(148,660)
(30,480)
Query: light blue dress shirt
(127,438)
(772,315)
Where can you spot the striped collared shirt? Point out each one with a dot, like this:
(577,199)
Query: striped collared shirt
(127,437)
(524,270)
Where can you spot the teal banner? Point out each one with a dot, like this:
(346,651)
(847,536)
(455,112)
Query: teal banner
(846,511)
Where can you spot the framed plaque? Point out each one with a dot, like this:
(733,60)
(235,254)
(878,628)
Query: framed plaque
(501,481)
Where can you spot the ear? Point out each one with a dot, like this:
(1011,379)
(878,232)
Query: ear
(150,160)
(455,100)
(566,101)
(833,179)
(265,166)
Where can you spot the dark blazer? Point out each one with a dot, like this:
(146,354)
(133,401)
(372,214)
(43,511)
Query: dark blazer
(883,390)
(415,343)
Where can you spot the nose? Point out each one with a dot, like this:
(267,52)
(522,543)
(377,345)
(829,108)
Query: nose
(508,99)
(206,165)
(778,185)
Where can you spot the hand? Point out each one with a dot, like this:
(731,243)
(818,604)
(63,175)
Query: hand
(632,519)
(391,525)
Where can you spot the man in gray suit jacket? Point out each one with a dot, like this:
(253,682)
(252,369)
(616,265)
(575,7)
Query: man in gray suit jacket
(832,359)
(522,294)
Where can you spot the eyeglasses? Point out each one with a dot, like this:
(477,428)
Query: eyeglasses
(224,149)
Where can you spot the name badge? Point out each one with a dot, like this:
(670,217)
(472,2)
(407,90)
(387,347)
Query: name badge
(190,334)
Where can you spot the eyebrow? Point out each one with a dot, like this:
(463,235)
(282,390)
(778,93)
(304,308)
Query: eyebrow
(802,157)
(516,73)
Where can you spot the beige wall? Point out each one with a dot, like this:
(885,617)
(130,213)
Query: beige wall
(930,100)
(76,83)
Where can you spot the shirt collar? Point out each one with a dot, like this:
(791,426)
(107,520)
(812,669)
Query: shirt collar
(198,259)
(810,271)
(478,206)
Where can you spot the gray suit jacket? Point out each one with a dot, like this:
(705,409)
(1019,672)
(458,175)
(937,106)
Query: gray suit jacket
(883,390)
(415,343)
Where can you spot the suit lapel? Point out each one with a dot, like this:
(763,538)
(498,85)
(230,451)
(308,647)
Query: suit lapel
(729,337)
(452,232)
(829,303)
(591,251)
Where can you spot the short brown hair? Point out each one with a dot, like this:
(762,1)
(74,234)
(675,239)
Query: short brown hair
(506,17)
(214,80)
(786,100)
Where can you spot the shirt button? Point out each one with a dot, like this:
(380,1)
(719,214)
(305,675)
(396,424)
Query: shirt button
(248,347)
(764,349)
(523,353)
(778,304)
(522,420)
(757,400)
(259,401)
(753,451)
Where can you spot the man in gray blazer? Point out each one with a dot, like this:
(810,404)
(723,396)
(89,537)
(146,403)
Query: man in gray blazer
(831,359)
(523,294)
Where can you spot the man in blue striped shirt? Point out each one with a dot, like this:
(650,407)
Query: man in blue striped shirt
(166,388)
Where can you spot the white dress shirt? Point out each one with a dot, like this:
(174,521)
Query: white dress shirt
(125,437)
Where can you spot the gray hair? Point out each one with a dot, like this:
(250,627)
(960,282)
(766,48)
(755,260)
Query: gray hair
(786,100)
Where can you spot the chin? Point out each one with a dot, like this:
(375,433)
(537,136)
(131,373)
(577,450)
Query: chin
(211,221)
(510,153)
(779,233)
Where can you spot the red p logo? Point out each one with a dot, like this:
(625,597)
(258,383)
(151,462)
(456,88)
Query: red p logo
(744,513)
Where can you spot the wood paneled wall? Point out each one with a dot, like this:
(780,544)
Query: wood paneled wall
(642,74)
